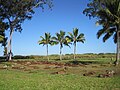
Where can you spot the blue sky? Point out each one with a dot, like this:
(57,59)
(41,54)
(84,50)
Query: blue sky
(65,15)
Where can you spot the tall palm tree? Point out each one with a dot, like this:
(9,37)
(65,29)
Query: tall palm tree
(75,37)
(61,40)
(108,15)
(111,24)
(46,41)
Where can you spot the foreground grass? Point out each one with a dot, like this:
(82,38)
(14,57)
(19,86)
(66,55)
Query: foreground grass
(16,80)
(19,80)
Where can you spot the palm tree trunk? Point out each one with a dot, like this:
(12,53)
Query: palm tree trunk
(118,47)
(60,52)
(47,52)
(74,49)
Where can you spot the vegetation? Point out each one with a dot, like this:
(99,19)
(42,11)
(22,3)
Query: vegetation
(35,72)
(35,75)
(107,13)
(75,37)
(46,41)
(14,12)
(98,58)
(3,27)
(61,40)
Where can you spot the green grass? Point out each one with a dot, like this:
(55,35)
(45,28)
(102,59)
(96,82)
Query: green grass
(18,80)
(30,78)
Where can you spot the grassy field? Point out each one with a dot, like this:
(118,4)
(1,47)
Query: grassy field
(57,75)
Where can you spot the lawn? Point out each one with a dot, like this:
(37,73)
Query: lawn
(41,75)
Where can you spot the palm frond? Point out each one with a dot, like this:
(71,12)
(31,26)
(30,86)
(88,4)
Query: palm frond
(66,43)
(62,33)
(71,35)
(47,37)
(54,38)
(100,33)
(109,34)
(41,42)
(81,38)
(69,39)
(45,40)
(54,43)
(58,36)
(42,37)
(75,32)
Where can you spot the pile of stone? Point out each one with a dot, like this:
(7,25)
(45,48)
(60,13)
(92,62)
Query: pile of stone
(109,73)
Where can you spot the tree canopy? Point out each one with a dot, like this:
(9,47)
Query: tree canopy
(75,37)
(60,39)
(107,13)
(14,12)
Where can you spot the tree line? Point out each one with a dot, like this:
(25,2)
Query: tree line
(62,39)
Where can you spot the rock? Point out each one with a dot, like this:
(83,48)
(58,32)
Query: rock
(5,66)
(28,63)
(109,73)
(22,67)
(59,67)
(12,65)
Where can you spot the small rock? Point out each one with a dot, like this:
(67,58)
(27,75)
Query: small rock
(12,65)
(28,63)
(5,66)
(22,67)
(109,73)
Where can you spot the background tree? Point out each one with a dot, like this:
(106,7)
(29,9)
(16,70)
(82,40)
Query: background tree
(4,44)
(61,40)
(46,41)
(75,37)
(3,38)
(3,27)
(107,13)
(15,12)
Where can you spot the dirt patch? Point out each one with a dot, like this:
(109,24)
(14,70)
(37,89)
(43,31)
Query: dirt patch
(60,68)
(46,62)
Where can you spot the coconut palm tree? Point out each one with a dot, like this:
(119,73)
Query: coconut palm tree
(108,15)
(111,26)
(75,37)
(61,40)
(46,41)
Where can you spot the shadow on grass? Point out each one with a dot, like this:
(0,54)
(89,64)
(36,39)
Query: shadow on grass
(82,62)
